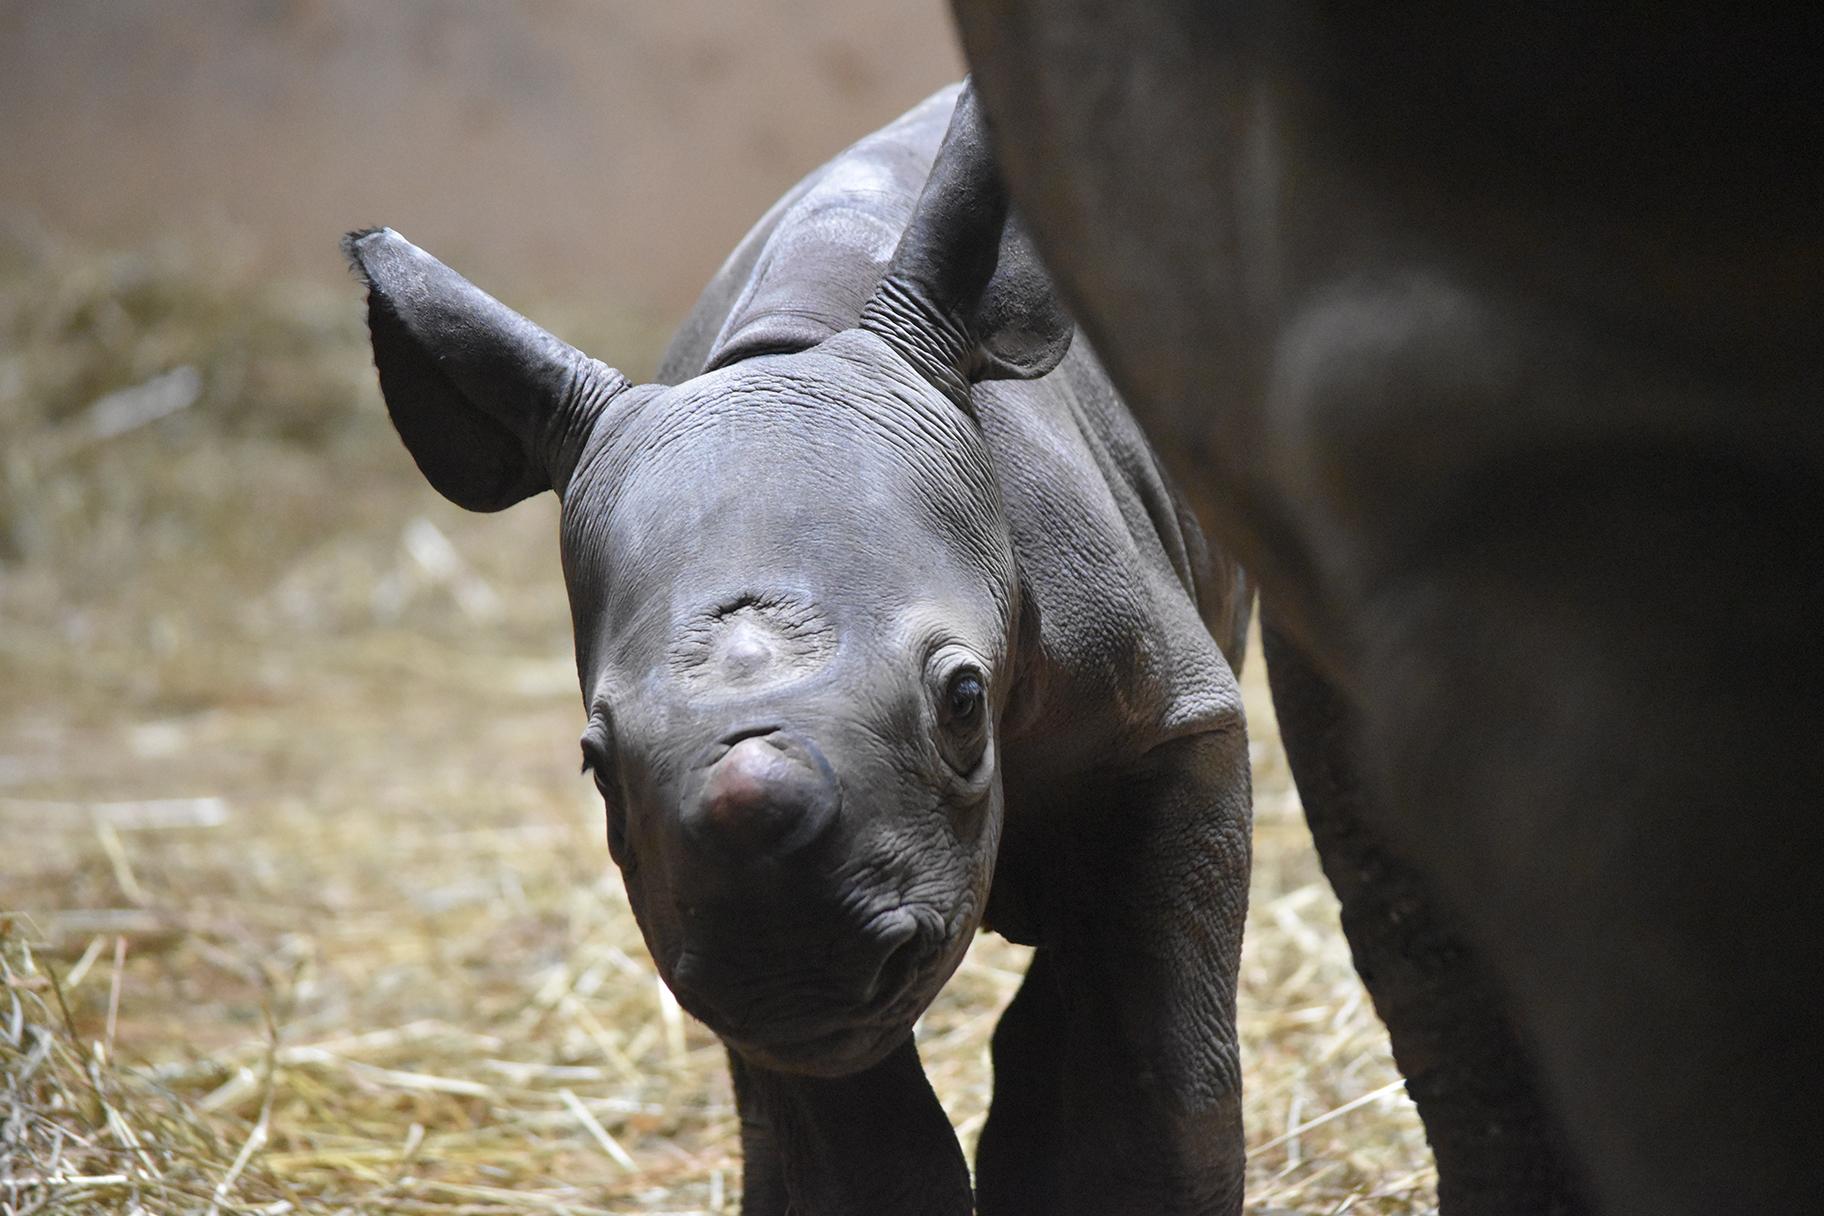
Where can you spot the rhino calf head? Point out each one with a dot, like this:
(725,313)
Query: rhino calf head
(796,608)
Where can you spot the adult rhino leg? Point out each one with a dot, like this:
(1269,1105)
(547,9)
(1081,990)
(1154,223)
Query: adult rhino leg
(1117,1087)
(1499,1151)
(876,1141)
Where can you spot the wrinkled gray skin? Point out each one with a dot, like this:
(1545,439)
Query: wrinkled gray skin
(1493,335)
(888,628)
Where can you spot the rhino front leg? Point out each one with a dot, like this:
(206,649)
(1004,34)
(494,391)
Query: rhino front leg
(1117,1086)
(762,1168)
(876,1141)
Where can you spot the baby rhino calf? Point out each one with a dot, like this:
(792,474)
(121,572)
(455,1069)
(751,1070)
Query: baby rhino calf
(889,629)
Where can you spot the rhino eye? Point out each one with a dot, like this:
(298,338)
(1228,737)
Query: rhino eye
(598,756)
(966,696)
(598,762)
(963,719)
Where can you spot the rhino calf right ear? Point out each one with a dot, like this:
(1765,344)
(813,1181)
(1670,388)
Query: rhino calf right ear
(966,261)
(493,408)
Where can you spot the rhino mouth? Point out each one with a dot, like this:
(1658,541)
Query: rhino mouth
(835,1052)
(837,1046)
(807,1028)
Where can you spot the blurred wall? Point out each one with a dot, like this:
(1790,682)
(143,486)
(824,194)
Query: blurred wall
(609,150)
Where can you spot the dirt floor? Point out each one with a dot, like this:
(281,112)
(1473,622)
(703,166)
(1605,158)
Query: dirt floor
(303,905)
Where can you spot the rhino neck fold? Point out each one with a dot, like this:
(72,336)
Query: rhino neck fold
(935,344)
(565,434)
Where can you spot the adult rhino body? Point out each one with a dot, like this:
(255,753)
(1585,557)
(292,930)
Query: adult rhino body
(888,627)
(1493,338)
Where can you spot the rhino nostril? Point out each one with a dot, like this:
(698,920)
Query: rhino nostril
(898,955)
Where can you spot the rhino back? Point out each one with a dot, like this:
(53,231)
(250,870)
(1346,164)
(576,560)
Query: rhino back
(806,269)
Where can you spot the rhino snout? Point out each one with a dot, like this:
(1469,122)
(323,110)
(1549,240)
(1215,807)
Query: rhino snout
(768,793)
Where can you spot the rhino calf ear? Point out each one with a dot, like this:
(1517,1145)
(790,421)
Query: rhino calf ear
(966,261)
(493,408)
(1023,329)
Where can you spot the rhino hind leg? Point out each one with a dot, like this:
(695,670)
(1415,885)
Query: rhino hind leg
(1499,1151)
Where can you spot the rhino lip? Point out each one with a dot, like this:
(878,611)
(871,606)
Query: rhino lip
(829,1047)
(836,1033)
(812,1044)
(831,1053)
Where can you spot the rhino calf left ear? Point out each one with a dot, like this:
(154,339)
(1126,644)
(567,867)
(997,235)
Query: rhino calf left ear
(966,263)
(493,408)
